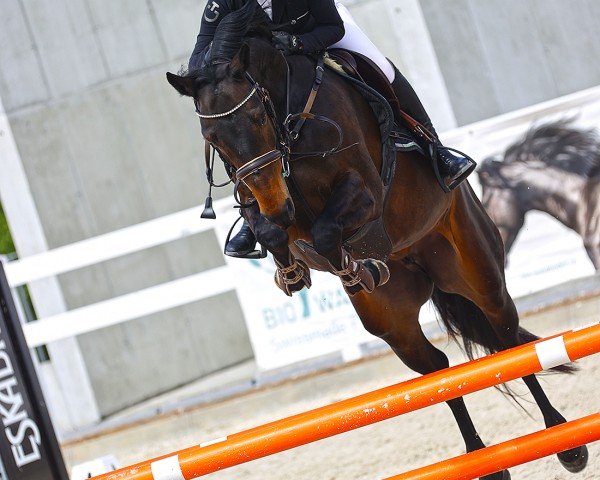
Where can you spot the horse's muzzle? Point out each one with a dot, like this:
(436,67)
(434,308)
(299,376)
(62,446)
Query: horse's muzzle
(285,218)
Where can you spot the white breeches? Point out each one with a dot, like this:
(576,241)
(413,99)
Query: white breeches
(356,40)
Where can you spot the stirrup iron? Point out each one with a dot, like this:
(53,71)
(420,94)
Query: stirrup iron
(255,255)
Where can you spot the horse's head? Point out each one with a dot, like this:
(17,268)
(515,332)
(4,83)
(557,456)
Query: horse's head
(238,118)
(500,200)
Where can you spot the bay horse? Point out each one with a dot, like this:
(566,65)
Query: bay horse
(555,169)
(444,245)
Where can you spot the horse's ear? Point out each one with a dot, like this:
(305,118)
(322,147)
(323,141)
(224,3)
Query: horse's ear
(184,85)
(241,61)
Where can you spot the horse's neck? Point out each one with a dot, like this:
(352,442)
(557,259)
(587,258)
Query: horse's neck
(557,194)
(270,69)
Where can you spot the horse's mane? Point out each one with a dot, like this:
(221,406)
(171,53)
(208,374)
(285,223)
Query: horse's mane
(558,145)
(249,21)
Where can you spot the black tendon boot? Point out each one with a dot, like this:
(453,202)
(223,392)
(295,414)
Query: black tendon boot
(453,168)
(243,243)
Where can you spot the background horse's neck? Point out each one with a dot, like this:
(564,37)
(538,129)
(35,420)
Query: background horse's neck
(551,191)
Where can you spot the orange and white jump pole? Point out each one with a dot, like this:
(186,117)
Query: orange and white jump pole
(365,409)
(511,453)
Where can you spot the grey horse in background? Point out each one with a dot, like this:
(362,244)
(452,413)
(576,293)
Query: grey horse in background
(555,168)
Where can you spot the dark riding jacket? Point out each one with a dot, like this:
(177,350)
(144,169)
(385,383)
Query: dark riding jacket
(316,22)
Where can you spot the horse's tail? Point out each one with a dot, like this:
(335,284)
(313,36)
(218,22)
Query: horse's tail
(463,318)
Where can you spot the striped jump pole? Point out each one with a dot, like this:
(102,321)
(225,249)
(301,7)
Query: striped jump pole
(366,409)
(511,453)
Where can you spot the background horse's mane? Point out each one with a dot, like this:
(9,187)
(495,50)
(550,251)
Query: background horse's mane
(557,145)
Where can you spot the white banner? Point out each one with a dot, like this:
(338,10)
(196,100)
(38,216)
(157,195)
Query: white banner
(545,254)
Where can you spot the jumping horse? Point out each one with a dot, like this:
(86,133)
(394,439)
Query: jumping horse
(443,245)
(555,169)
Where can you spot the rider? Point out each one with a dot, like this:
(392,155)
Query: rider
(310,26)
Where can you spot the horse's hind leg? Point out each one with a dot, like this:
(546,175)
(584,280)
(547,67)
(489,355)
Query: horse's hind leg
(479,305)
(391,312)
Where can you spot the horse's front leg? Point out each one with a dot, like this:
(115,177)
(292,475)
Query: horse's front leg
(292,275)
(592,248)
(350,206)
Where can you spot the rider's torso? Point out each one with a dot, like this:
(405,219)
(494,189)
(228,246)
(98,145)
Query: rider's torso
(298,17)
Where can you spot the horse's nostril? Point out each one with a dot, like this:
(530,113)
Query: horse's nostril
(286,218)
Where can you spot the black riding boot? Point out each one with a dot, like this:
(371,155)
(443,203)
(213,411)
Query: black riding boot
(243,243)
(452,167)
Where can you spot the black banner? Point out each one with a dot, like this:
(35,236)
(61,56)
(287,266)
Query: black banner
(28,445)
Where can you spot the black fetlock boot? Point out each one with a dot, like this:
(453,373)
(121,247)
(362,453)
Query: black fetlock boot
(243,243)
(452,168)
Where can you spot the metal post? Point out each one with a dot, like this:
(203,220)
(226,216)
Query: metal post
(28,445)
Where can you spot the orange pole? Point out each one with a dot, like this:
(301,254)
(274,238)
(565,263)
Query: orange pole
(513,452)
(365,409)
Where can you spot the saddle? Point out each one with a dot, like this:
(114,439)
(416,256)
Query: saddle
(362,68)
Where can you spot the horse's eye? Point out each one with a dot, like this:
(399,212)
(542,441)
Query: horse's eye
(262,120)
(260,117)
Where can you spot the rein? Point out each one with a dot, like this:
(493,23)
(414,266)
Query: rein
(253,165)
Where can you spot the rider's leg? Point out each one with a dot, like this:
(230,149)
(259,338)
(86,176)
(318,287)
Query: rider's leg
(357,41)
(243,243)
(454,168)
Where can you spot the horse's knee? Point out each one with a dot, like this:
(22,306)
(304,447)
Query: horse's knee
(378,326)
(407,341)
(502,316)
(418,354)
(500,304)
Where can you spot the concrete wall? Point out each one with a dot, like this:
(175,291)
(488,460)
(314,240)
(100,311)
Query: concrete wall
(105,143)
(500,55)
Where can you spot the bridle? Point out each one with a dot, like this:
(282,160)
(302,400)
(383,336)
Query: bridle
(281,151)
(286,134)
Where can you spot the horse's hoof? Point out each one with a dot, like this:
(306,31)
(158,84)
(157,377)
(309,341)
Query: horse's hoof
(574,460)
(503,475)
(379,270)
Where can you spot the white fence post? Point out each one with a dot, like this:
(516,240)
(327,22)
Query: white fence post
(73,403)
